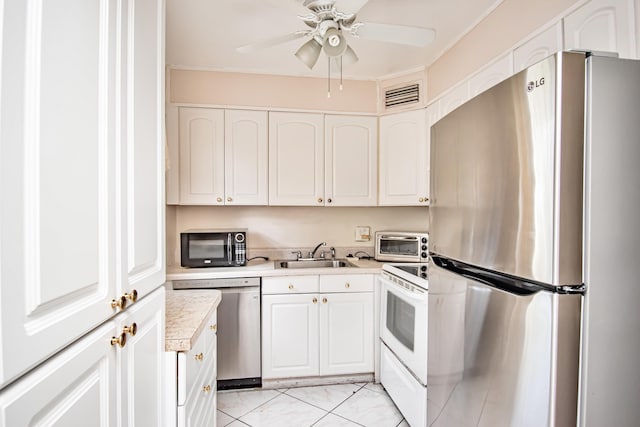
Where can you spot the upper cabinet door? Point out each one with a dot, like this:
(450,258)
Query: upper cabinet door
(57,176)
(538,48)
(351,161)
(201,156)
(296,159)
(404,172)
(602,25)
(141,172)
(246,157)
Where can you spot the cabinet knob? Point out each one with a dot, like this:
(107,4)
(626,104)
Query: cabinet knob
(229,199)
(421,199)
(199,356)
(319,199)
(324,300)
(219,199)
(206,388)
(329,200)
(426,199)
(347,285)
(121,340)
(290,286)
(120,303)
(131,330)
(132,296)
(213,327)
(315,300)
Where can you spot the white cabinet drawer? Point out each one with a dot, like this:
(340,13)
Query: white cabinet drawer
(290,285)
(346,283)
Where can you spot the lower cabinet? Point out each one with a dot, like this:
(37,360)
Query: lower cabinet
(317,325)
(197,373)
(112,376)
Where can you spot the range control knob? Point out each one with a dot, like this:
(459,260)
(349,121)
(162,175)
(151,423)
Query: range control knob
(423,254)
(424,247)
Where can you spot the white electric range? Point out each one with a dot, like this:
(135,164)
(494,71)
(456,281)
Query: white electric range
(403,332)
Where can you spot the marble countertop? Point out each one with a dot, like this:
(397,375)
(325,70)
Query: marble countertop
(260,268)
(187,312)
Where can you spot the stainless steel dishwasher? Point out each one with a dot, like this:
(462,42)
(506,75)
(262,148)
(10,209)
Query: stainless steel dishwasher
(239,361)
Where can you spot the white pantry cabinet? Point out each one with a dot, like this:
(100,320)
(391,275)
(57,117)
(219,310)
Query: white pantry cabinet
(317,325)
(82,173)
(602,25)
(296,159)
(95,381)
(404,151)
(351,160)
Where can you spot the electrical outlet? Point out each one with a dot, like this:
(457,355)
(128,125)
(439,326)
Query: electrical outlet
(363,233)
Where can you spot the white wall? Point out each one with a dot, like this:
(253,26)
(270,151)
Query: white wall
(293,227)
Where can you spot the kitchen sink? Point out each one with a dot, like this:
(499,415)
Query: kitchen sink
(314,263)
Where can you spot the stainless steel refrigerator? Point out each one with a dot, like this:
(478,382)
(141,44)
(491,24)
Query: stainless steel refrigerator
(534,285)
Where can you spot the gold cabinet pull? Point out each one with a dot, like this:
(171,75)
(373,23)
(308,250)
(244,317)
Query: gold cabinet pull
(426,199)
(319,199)
(121,340)
(213,327)
(131,330)
(324,300)
(329,200)
(315,300)
(206,388)
(199,356)
(421,199)
(229,199)
(119,303)
(290,286)
(132,296)
(219,199)
(347,285)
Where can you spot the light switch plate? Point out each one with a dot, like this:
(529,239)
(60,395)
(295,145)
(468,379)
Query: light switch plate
(363,233)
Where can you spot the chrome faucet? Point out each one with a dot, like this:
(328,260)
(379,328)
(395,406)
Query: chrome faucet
(312,253)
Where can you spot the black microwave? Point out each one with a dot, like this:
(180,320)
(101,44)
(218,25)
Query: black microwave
(213,248)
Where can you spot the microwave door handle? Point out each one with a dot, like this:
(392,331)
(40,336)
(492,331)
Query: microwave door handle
(229,247)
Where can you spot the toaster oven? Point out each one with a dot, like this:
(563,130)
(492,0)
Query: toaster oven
(402,246)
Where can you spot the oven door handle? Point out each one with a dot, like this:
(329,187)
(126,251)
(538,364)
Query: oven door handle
(418,297)
(383,237)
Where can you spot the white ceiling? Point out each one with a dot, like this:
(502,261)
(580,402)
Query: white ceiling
(205,33)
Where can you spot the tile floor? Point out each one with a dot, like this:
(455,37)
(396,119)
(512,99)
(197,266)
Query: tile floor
(319,406)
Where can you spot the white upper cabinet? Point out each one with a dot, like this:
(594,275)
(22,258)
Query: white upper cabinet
(296,159)
(404,170)
(351,161)
(454,98)
(201,141)
(223,156)
(246,155)
(539,47)
(492,74)
(602,25)
(81,164)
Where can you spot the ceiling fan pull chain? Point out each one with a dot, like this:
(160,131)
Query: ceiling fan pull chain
(341,73)
(328,77)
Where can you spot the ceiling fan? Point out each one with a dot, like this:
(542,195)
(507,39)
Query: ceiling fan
(329,21)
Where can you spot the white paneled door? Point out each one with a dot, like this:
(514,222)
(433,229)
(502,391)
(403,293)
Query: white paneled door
(57,152)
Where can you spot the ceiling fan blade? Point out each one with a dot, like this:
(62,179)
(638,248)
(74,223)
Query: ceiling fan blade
(400,34)
(294,6)
(262,44)
(349,6)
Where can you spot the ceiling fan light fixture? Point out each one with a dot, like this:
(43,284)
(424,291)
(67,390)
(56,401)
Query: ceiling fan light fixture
(309,53)
(334,42)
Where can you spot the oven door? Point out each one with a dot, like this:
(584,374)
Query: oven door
(206,249)
(403,325)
